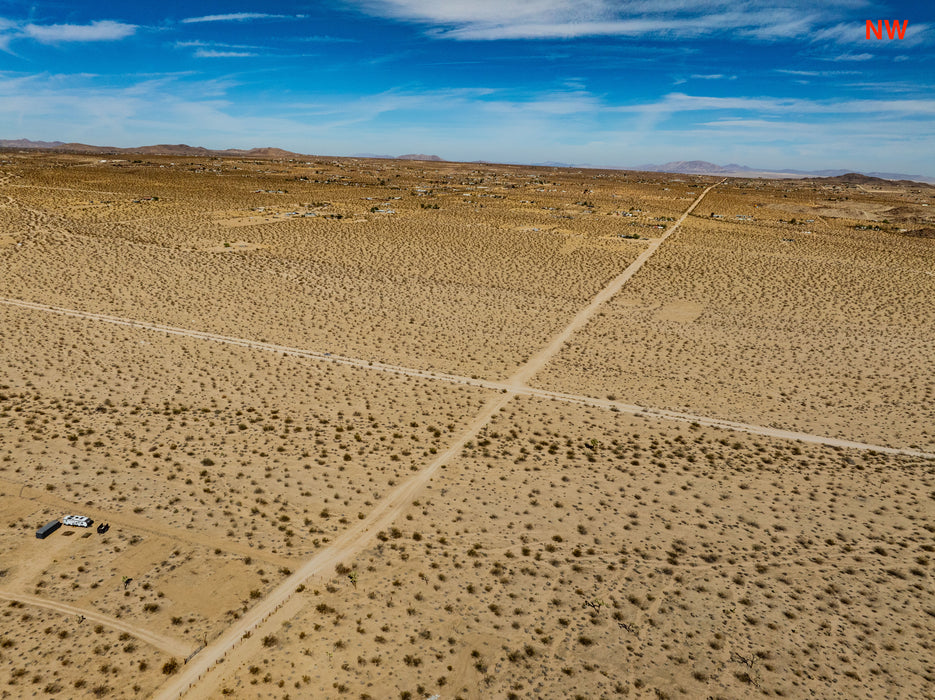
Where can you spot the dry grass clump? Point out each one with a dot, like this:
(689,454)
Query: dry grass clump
(574,553)
(811,326)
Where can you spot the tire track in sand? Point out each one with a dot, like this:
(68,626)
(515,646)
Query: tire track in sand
(169,645)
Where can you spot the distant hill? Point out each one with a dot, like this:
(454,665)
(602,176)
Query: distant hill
(855,179)
(703,167)
(180,149)
(53,145)
(419,156)
(861,179)
(408,156)
(26,143)
(184,150)
(693,167)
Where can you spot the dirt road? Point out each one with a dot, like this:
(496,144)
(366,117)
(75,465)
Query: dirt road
(254,344)
(352,541)
(538,361)
(263,615)
(722,423)
(175,647)
(143,524)
(242,640)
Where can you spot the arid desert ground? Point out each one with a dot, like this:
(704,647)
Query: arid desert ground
(409,429)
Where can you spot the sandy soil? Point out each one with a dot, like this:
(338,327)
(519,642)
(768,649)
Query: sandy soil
(466,294)
(44,653)
(296,421)
(815,327)
(574,556)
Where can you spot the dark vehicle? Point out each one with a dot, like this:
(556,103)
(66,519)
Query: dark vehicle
(48,529)
(103,527)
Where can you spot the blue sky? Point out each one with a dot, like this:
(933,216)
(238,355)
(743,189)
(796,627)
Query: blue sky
(765,83)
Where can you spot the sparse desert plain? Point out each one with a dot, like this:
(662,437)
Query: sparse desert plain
(403,429)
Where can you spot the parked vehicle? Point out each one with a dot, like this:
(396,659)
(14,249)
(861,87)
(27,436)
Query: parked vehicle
(77,520)
(48,529)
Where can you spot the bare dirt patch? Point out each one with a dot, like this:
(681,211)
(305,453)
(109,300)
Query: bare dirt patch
(680,311)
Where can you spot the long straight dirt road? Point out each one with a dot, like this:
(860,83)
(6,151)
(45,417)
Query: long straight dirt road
(515,384)
(354,540)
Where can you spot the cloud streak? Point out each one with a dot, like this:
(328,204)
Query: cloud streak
(213,53)
(852,57)
(232,17)
(680,102)
(486,20)
(99,30)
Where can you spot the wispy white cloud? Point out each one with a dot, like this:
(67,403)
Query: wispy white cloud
(677,102)
(197,43)
(851,57)
(6,34)
(162,109)
(816,73)
(839,33)
(212,53)
(559,103)
(854,33)
(745,123)
(763,20)
(896,86)
(99,30)
(681,80)
(325,39)
(570,30)
(768,131)
(232,17)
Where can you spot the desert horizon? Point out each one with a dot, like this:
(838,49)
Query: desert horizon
(681,167)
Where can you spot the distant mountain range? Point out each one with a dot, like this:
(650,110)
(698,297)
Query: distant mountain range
(407,156)
(180,149)
(684,167)
(703,167)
